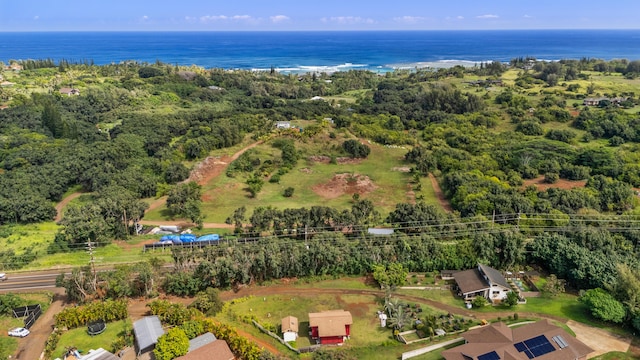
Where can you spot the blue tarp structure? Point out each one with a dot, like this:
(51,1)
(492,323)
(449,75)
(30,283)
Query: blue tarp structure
(169,238)
(210,237)
(147,331)
(187,238)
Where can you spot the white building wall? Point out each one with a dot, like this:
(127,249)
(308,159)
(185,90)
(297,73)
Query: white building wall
(289,336)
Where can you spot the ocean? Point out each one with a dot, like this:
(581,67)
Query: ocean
(296,52)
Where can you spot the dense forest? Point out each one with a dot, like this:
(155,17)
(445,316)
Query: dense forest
(135,130)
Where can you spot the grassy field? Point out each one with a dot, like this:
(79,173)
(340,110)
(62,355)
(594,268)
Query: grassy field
(80,339)
(223,195)
(368,340)
(38,237)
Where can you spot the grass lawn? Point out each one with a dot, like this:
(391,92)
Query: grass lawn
(381,167)
(21,237)
(616,355)
(79,338)
(365,330)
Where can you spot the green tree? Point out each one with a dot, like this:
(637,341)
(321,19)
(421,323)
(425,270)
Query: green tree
(553,287)
(288,192)
(479,301)
(171,345)
(208,302)
(184,200)
(512,299)
(355,149)
(52,120)
(603,305)
(390,276)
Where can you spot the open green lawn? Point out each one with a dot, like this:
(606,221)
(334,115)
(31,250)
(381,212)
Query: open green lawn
(38,237)
(20,237)
(79,338)
(367,338)
(223,195)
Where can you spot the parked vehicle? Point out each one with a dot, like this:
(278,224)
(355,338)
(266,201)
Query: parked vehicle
(3,276)
(19,332)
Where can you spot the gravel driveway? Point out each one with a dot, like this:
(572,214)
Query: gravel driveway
(599,340)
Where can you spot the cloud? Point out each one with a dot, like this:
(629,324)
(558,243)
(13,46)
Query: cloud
(459,17)
(37,17)
(279,18)
(487,16)
(409,19)
(528,16)
(347,20)
(215,18)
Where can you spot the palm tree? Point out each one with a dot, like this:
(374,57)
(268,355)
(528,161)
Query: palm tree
(399,318)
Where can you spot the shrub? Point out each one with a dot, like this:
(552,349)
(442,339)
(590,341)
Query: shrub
(551,177)
(355,149)
(479,301)
(171,345)
(288,192)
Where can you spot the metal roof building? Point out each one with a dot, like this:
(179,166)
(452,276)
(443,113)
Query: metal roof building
(147,331)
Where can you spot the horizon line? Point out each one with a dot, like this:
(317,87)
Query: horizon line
(314,30)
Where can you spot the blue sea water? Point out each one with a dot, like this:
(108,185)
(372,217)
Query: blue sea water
(320,51)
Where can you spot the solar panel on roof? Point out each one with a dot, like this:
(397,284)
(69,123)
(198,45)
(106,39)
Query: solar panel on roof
(562,343)
(489,356)
(535,347)
(520,346)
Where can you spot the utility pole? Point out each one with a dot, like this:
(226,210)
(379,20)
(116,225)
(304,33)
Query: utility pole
(92,263)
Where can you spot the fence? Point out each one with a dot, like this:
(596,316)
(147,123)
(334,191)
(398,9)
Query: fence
(30,313)
(311,348)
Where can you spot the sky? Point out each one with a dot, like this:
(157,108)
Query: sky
(332,15)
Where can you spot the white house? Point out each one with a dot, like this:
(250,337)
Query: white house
(283,125)
(289,328)
(482,281)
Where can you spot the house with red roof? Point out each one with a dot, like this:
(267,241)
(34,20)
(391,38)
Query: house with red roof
(330,327)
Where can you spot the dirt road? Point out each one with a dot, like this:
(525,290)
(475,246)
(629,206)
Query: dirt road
(32,346)
(599,340)
(440,194)
(62,204)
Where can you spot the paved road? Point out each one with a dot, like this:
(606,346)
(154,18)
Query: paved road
(29,282)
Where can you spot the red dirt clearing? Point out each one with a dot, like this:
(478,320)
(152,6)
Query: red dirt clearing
(346,183)
(213,166)
(560,184)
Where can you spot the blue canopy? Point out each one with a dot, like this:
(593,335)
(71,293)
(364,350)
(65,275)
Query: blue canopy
(209,237)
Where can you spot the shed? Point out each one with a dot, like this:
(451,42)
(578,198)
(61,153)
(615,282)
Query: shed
(379,231)
(147,331)
(290,328)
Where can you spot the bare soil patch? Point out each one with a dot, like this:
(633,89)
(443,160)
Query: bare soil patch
(340,160)
(404,169)
(345,183)
(599,340)
(560,184)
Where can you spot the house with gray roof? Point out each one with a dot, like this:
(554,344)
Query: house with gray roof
(482,281)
